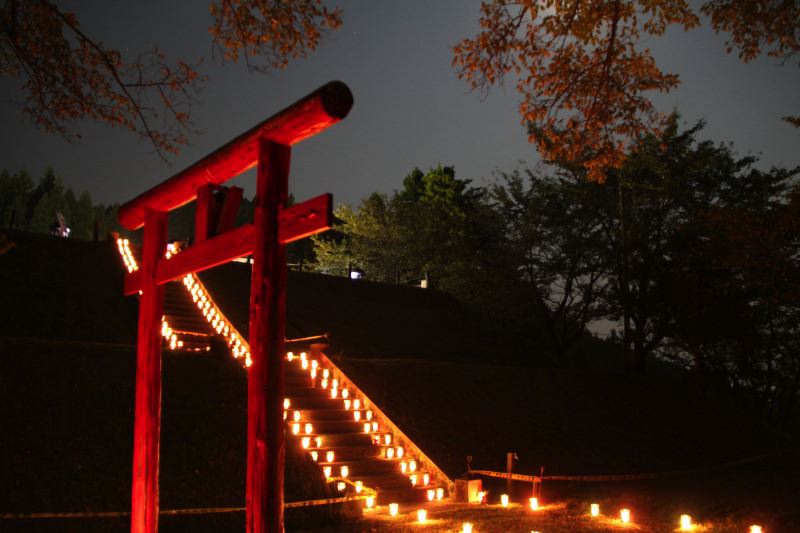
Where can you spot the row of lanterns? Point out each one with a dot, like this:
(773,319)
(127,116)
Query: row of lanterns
(360,413)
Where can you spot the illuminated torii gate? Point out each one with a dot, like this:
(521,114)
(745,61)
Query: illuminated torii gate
(267,145)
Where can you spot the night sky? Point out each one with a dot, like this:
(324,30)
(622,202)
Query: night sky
(410,108)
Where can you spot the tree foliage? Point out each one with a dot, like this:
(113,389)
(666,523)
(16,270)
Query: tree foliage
(23,206)
(584,75)
(68,75)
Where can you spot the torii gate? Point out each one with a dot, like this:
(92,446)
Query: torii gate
(267,145)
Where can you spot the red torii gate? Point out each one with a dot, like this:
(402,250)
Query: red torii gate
(267,145)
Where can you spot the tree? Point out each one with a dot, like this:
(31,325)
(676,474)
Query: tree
(68,75)
(554,244)
(582,71)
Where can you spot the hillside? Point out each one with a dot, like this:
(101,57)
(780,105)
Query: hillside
(66,390)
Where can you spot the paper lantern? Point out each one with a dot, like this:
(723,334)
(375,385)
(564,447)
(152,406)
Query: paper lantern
(504,500)
(625,515)
(344,471)
(370,502)
(594,509)
(393,508)
(329,456)
(534,503)
(431,495)
(422,516)
(686,522)
(466,527)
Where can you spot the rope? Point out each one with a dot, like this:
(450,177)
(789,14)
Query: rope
(623,477)
(171,512)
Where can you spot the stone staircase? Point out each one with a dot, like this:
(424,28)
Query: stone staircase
(358,448)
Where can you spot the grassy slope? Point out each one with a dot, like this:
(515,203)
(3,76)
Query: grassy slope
(67,407)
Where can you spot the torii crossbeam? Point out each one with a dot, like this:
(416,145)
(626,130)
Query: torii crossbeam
(267,146)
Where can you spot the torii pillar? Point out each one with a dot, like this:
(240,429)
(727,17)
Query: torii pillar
(267,145)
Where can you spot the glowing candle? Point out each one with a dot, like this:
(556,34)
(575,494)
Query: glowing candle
(318,440)
(594,509)
(431,495)
(504,500)
(357,415)
(369,415)
(345,393)
(370,502)
(386,438)
(296,429)
(375,428)
(314,364)
(290,356)
(686,522)
(389,453)
(344,471)
(303,356)
(466,527)
(296,416)
(534,503)
(426,478)
(329,456)
(625,515)
(313,373)
(284,415)
(412,465)
(755,529)
(400,451)
(359,486)
(422,516)
(335,383)
(324,383)
(326,373)
(327,471)
(403,467)
(309,429)
(413,479)
(367,427)
(356,404)
(341,486)
(304,364)
(347,404)
(306,442)
(314,455)
(334,393)
(393,508)
(439,493)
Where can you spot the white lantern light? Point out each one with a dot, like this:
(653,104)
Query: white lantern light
(439,493)
(393,508)
(327,471)
(309,428)
(594,509)
(625,515)
(534,503)
(370,502)
(504,500)
(466,527)
(344,471)
(329,456)
(686,522)
(422,516)
(431,495)
(306,441)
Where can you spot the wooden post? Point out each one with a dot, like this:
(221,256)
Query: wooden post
(147,415)
(265,437)
(509,469)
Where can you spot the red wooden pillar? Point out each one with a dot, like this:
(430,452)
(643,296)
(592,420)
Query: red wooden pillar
(265,428)
(147,415)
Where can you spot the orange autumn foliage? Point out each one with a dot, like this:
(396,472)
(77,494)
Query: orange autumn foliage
(584,76)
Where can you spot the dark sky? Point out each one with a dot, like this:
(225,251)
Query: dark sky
(410,109)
